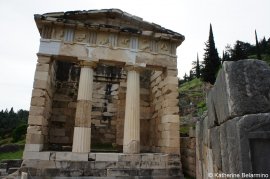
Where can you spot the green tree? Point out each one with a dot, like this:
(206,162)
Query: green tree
(10,120)
(239,52)
(263,46)
(211,63)
(185,78)
(19,132)
(191,75)
(258,47)
(198,68)
(227,53)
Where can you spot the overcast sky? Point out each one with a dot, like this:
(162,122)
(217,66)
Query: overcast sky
(231,20)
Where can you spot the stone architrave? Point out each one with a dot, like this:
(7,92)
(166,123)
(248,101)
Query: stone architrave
(131,142)
(82,129)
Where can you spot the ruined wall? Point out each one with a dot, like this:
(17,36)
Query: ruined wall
(188,153)
(234,137)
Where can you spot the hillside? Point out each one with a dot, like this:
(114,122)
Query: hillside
(192,103)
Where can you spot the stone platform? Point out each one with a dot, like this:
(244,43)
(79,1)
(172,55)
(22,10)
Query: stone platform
(104,165)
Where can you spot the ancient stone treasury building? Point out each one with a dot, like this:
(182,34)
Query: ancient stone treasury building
(103,77)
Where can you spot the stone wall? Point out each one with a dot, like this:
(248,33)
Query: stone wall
(188,153)
(41,105)
(234,137)
(164,125)
(105,109)
(64,105)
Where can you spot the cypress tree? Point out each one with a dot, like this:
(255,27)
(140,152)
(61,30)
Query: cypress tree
(211,60)
(185,78)
(198,68)
(257,47)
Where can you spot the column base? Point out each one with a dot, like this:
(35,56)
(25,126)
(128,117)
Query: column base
(132,148)
(103,165)
(81,139)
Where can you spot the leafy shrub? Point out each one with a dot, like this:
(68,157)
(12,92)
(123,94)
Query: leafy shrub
(19,132)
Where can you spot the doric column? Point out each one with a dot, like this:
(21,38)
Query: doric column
(131,142)
(82,129)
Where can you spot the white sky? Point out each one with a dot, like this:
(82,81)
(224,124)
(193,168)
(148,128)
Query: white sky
(231,20)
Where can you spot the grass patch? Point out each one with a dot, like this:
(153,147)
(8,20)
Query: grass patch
(20,142)
(5,141)
(11,155)
(9,141)
(193,84)
(184,129)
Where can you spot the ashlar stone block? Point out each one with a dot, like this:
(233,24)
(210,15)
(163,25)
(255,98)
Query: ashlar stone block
(71,156)
(34,139)
(38,101)
(33,147)
(107,157)
(242,87)
(169,142)
(169,118)
(216,150)
(170,103)
(36,155)
(34,130)
(169,88)
(170,134)
(44,59)
(37,120)
(38,93)
(43,67)
(40,75)
(168,127)
(155,75)
(172,95)
(170,110)
(41,84)
(171,80)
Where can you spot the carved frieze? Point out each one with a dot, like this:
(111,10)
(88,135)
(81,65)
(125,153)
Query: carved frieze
(58,33)
(110,39)
(144,44)
(80,36)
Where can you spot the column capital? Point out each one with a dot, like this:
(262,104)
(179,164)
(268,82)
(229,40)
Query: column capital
(87,63)
(134,67)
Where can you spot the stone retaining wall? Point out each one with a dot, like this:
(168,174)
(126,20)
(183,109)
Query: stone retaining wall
(188,155)
(234,137)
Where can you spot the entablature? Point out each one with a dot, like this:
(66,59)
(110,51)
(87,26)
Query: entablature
(111,28)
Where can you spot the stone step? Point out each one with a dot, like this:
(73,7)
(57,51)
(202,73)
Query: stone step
(133,177)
